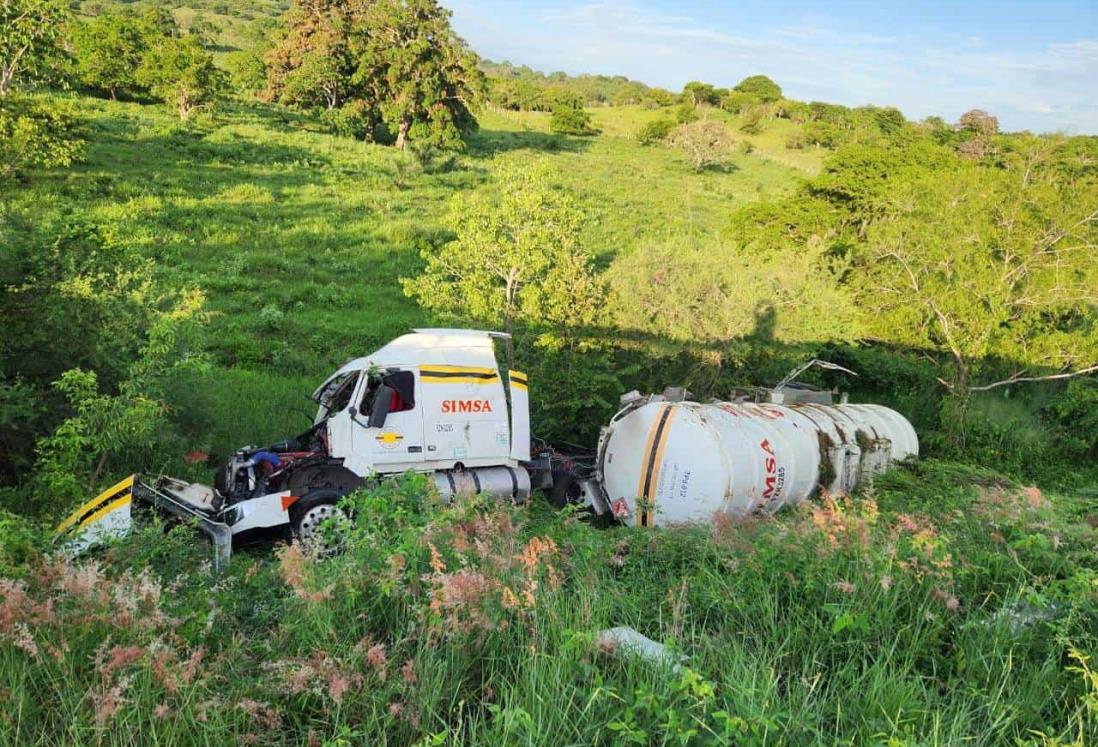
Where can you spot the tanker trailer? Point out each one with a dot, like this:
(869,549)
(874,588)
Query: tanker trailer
(665,460)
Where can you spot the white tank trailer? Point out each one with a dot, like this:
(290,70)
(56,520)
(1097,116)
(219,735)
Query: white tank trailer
(664,460)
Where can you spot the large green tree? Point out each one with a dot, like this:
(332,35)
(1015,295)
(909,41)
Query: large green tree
(418,71)
(311,63)
(29,30)
(183,74)
(995,267)
(108,50)
(517,258)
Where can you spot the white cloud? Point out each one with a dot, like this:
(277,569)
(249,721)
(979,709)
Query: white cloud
(1043,89)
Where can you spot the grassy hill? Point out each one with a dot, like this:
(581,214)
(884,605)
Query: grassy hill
(299,238)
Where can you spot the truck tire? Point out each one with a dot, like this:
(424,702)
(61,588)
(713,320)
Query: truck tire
(308,515)
(566,489)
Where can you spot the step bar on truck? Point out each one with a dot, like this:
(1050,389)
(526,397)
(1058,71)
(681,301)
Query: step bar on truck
(108,515)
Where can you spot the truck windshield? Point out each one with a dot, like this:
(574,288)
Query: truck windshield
(336,395)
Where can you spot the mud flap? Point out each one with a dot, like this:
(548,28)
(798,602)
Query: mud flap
(106,516)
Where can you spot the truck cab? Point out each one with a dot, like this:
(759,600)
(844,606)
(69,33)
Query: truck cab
(434,399)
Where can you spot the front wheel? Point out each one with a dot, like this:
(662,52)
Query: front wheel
(318,522)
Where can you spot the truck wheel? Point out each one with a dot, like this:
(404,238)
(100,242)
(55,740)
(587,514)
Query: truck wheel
(566,489)
(308,516)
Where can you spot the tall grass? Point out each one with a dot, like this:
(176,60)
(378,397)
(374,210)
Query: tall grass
(946,606)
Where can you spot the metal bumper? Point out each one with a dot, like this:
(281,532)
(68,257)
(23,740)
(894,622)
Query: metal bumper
(158,494)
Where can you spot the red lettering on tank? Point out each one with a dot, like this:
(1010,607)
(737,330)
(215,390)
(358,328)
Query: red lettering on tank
(770,466)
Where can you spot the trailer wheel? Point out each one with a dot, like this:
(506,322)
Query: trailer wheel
(566,489)
(308,516)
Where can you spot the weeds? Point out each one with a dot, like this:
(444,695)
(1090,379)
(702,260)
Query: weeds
(927,612)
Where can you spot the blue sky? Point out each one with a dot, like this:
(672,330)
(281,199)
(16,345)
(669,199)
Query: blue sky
(1034,65)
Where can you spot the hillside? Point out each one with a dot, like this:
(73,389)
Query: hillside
(186,254)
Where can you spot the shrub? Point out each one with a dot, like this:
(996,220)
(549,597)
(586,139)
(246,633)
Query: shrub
(34,134)
(569,120)
(655,131)
(752,121)
(686,113)
(707,144)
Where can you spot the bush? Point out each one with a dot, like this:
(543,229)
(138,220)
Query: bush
(752,121)
(356,119)
(568,120)
(37,134)
(655,131)
(707,144)
(686,113)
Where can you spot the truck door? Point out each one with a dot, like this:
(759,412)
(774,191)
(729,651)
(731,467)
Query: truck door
(389,433)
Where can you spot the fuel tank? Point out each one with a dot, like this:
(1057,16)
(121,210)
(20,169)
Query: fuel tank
(666,462)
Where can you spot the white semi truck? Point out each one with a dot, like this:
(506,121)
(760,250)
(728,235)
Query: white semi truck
(435,401)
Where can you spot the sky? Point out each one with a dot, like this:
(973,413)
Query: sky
(1032,64)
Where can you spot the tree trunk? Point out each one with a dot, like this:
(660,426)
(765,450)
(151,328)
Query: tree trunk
(402,134)
(5,81)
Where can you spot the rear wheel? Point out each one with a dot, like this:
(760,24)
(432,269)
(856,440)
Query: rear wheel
(566,489)
(318,521)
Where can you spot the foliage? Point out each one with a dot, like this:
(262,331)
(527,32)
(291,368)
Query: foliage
(520,88)
(311,63)
(516,258)
(979,122)
(182,74)
(986,264)
(108,50)
(29,36)
(698,93)
(760,88)
(707,144)
(771,294)
(686,112)
(36,133)
(655,131)
(570,120)
(105,427)
(247,73)
(422,76)
(85,301)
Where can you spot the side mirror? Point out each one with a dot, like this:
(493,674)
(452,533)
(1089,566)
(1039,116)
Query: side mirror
(382,400)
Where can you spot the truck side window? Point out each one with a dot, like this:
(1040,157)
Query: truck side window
(403,384)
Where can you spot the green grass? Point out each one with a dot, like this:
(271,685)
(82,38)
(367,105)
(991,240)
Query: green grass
(945,607)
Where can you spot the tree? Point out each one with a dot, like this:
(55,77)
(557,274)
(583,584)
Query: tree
(699,93)
(569,120)
(978,122)
(789,293)
(247,73)
(312,64)
(986,264)
(760,87)
(517,258)
(422,75)
(708,144)
(29,30)
(108,50)
(182,74)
